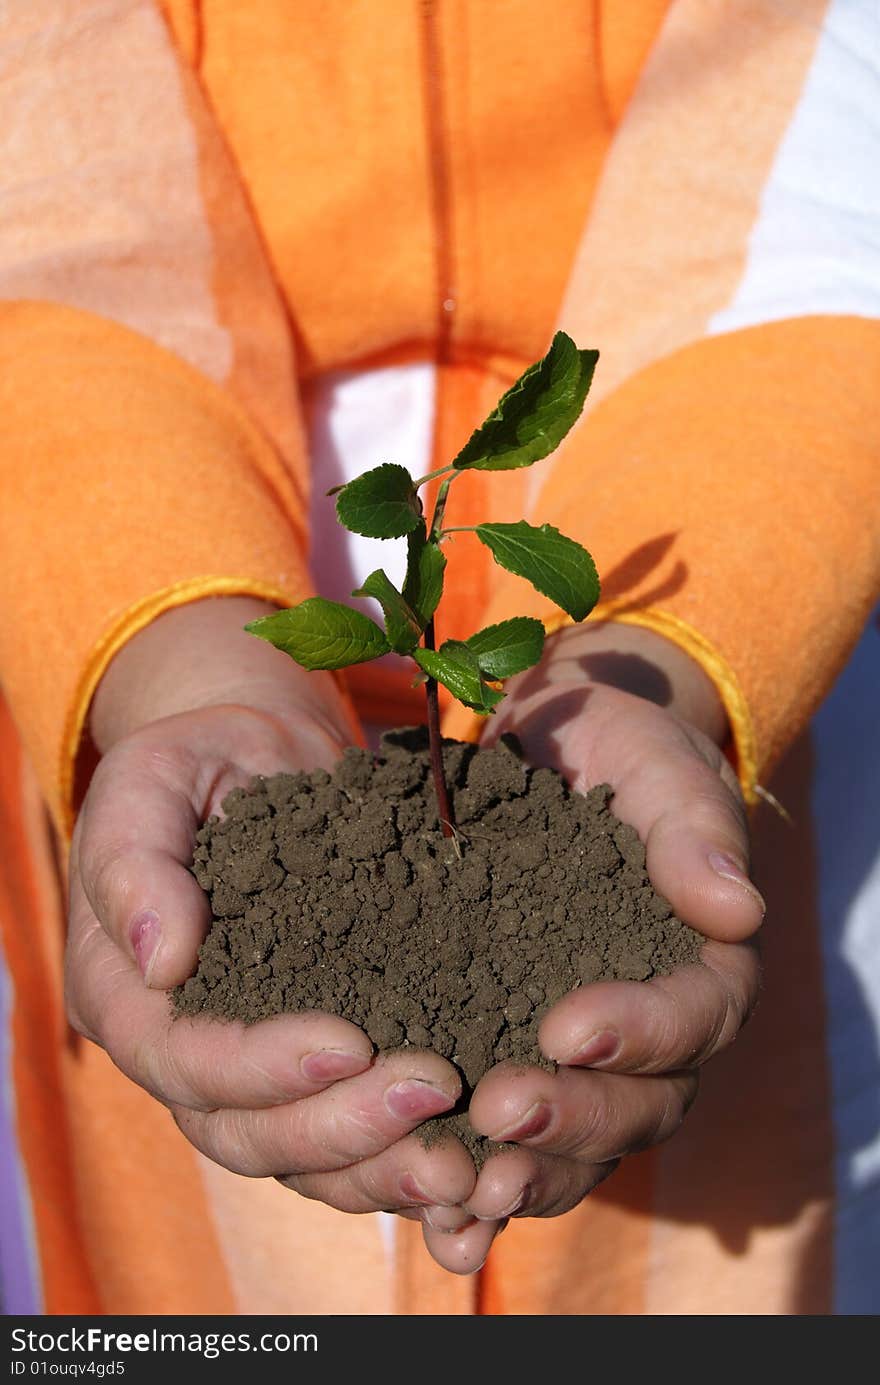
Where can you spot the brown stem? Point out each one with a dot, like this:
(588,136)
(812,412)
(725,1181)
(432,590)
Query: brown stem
(435,745)
(440,509)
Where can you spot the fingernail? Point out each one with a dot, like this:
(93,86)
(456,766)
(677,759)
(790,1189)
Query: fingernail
(145,935)
(414,1100)
(411,1190)
(447,1219)
(516,1206)
(329,1063)
(599,1048)
(535,1121)
(728,869)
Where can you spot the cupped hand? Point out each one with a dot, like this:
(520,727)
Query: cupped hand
(619,705)
(298,1097)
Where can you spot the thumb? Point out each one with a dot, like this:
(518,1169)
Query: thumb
(129,858)
(677,789)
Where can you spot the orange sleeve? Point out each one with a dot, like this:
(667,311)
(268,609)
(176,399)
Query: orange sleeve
(153,446)
(131,484)
(725,471)
(730,494)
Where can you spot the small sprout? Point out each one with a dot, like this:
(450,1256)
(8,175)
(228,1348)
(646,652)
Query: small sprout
(528,423)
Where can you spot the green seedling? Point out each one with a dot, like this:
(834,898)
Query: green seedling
(528,423)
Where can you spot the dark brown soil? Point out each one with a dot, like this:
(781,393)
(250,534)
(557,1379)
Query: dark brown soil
(339,893)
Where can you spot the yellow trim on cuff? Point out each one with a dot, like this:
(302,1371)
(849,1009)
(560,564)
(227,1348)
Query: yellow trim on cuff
(713,664)
(128,624)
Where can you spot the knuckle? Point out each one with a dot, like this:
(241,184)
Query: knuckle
(190,1124)
(371,1184)
(715,1037)
(314,1140)
(73,1006)
(678,1097)
(108,880)
(690,1082)
(560,1195)
(689,1030)
(92,986)
(708,805)
(737,1011)
(76,1020)
(173,1072)
(198,1130)
(738,996)
(596,1122)
(304,1185)
(364,1130)
(207,1132)
(232,1138)
(722,771)
(672,1035)
(147,1058)
(603,1171)
(142,1062)
(731,782)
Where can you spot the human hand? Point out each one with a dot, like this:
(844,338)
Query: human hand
(629,1053)
(190,709)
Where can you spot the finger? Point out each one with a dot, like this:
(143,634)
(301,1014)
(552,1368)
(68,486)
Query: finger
(671,783)
(354,1119)
(676,788)
(526,1183)
(667,1023)
(580,1114)
(462,1252)
(202,1063)
(443,1218)
(407,1175)
(132,850)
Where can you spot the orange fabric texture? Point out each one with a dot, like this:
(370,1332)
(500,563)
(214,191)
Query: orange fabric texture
(156,462)
(667,238)
(731,470)
(397,168)
(265,193)
(31,942)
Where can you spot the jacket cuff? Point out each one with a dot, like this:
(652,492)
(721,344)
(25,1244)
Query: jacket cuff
(114,639)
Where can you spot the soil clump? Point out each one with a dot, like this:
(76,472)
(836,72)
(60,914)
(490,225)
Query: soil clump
(339,893)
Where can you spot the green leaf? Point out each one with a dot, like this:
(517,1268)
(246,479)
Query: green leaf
(555,565)
(381,504)
(401,622)
(533,416)
(322,634)
(425,566)
(509,647)
(455,666)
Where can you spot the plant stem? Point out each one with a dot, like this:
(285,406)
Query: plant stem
(440,509)
(435,744)
(434,475)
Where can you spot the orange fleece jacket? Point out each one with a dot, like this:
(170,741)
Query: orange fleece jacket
(209,208)
(723,488)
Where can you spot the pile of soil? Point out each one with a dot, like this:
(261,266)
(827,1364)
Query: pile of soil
(339,893)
